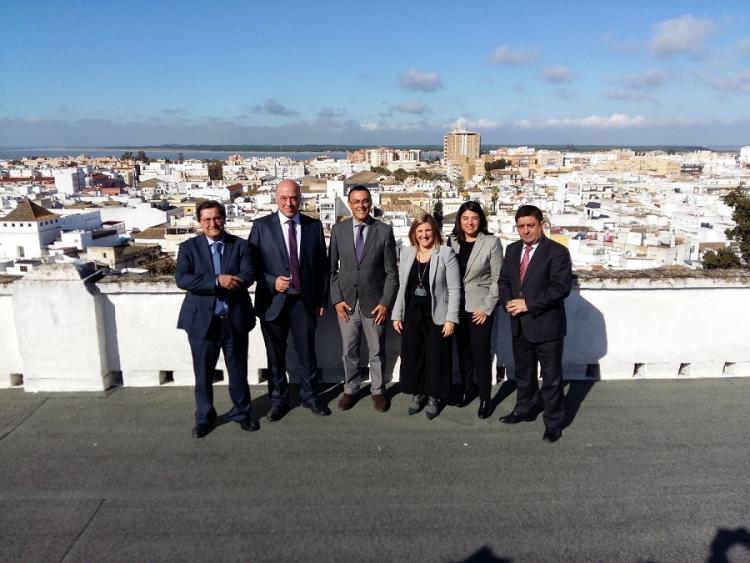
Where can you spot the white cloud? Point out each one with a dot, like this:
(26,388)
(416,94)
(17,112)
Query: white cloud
(730,83)
(481,123)
(614,121)
(743,46)
(411,106)
(273,107)
(637,86)
(514,55)
(684,34)
(557,73)
(416,80)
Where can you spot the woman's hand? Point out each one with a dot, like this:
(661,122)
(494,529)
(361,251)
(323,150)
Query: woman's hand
(448,328)
(478,318)
(398,326)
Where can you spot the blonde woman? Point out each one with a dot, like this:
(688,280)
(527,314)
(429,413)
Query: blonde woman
(425,315)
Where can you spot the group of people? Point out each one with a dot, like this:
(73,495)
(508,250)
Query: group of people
(433,291)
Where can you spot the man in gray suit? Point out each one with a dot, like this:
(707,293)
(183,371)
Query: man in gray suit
(363,287)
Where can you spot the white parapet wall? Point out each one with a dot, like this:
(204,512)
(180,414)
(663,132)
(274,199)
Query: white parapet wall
(63,334)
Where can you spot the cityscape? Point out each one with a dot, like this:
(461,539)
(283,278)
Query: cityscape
(571,387)
(615,209)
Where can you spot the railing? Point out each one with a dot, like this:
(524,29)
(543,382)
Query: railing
(61,334)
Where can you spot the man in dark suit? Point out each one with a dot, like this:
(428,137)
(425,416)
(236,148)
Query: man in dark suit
(364,281)
(535,279)
(289,257)
(215,269)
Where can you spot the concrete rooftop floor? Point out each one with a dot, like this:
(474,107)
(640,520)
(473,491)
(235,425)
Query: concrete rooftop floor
(646,471)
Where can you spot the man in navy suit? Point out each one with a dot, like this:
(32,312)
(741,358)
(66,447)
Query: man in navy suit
(215,269)
(535,279)
(289,257)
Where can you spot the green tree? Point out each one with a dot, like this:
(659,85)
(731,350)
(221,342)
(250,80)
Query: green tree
(722,260)
(380,170)
(180,157)
(141,156)
(740,234)
(127,155)
(496,165)
(400,175)
(215,170)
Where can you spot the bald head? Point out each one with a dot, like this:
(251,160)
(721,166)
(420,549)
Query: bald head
(288,198)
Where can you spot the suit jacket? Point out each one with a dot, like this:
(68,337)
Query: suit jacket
(545,286)
(445,284)
(374,280)
(195,274)
(271,259)
(482,273)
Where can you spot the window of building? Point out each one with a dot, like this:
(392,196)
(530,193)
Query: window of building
(20,252)
(24,268)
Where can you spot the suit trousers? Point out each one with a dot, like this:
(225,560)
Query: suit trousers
(475,354)
(298,318)
(358,325)
(549,357)
(425,354)
(205,351)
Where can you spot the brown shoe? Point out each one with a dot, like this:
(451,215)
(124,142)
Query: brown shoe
(379,403)
(346,401)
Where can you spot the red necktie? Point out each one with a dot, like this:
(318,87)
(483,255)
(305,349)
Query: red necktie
(525,260)
(293,257)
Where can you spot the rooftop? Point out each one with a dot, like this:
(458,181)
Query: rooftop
(645,471)
(27,210)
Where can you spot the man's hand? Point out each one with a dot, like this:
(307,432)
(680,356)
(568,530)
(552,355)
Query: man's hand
(229,282)
(380,312)
(342,310)
(448,328)
(398,326)
(282,284)
(516,306)
(478,318)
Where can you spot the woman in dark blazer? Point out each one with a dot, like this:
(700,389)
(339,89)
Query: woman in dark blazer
(480,257)
(425,315)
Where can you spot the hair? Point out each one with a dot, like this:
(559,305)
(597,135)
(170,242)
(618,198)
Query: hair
(474,207)
(210,204)
(358,188)
(421,220)
(529,211)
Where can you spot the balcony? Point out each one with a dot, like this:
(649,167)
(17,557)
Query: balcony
(65,334)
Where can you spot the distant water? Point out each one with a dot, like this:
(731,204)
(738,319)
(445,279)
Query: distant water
(13,153)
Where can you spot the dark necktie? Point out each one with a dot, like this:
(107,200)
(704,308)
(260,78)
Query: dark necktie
(525,260)
(293,257)
(359,243)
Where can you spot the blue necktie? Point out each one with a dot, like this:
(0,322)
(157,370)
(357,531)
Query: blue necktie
(359,243)
(221,306)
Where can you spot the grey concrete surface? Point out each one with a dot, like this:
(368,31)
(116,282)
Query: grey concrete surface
(645,471)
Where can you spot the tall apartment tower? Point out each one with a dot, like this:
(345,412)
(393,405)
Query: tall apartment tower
(460,142)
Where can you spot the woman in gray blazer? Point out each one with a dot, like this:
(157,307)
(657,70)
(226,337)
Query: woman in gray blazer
(480,256)
(425,315)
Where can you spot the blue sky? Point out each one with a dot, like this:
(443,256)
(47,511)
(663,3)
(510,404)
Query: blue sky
(104,73)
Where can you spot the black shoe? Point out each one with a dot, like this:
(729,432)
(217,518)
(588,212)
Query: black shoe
(277,412)
(514,418)
(250,425)
(485,409)
(316,407)
(467,396)
(552,435)
(202,429)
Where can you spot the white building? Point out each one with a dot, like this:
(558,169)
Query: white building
(27,230)
(69,181)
